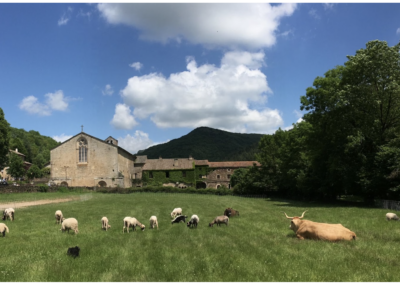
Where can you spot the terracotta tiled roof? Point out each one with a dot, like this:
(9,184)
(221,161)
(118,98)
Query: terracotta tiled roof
(168,164)
(201,162)
(237,164)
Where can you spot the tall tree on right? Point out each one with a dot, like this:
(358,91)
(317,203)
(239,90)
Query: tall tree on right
(4,140)
(355,114)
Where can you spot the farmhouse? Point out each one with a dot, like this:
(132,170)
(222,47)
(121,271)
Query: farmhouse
(84,160)
(27,165)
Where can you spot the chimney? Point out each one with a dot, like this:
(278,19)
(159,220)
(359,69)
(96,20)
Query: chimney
(190,157)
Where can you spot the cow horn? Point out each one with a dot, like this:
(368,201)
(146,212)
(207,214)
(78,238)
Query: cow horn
(302,214)
(288,216)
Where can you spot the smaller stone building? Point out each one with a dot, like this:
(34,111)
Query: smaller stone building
(27,165)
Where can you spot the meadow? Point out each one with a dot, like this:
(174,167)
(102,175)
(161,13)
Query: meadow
(257,246)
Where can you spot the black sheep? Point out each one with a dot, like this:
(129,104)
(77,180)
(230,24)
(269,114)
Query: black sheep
(179,219)
(74,251)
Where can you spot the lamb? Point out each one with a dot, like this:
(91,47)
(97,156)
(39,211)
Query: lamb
(3,229)
(74,251)
(104,223)
(153,222)
(176,212)
(70,224)
(219,220)
(181,218)
(230,212)
(391,216)
(132,222)
(59,217)
(194,220)
(9,213)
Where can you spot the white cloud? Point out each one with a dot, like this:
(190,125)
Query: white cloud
(123,118)
(219,97)
(313,13)
(63,20)
(139,141)
(328,6)
(31,105)
(54,101)
(232,25)
(398,31)
(108,90)
(136,65)
(61,138)
(291,126)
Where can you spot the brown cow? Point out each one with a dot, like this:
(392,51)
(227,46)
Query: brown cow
(306,229)
(230,212)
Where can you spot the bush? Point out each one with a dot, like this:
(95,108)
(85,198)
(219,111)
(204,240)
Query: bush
(43,188)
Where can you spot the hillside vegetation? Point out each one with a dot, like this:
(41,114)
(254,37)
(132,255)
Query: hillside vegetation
(34,146)
(256,246)
(206,143)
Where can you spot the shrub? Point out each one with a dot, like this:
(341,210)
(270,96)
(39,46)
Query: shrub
(43,188)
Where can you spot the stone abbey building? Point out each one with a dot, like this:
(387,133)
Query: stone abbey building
(84,160)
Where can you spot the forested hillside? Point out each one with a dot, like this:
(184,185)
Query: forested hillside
(206,143)
(34,146)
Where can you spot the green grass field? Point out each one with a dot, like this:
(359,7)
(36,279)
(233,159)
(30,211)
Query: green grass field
(257,246)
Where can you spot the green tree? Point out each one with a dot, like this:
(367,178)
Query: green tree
(39,161)
(355,114)
(34,172)
(16,166)
(4,140)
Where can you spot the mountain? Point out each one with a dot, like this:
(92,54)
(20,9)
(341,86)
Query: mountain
(206,143)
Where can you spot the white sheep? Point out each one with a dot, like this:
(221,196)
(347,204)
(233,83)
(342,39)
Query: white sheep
(70,224)
(219,220)
(176,212)
(104,223)
(194,220)
(391,216)
(132,222)
(153,222)
(3,229)
(59,217)
(9,213)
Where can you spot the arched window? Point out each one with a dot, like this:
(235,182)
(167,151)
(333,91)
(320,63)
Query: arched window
(83,149)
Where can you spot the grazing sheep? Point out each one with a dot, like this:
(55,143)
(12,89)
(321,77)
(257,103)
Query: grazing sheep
(132,222)
(59,217)
(391,216)
(219,220)
(230,212)
(104,223)
(181,218)
(176,212)
(74,251)
(9,213)
(3,229)
(70,224)
(153,222)
(194,220)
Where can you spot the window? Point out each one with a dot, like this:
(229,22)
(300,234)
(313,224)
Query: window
(167,174)
(229,170)
(184,174)
(150,174)
(218,176)
(229,176)
(83,149)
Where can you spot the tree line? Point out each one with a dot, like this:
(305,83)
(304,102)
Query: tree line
(349,140)
(34,146)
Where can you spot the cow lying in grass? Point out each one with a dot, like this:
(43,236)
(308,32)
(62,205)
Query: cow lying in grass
(306,229)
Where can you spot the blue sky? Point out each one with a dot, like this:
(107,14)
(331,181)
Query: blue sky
(150,73)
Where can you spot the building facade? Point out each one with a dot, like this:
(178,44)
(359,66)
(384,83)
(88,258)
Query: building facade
(84,160)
